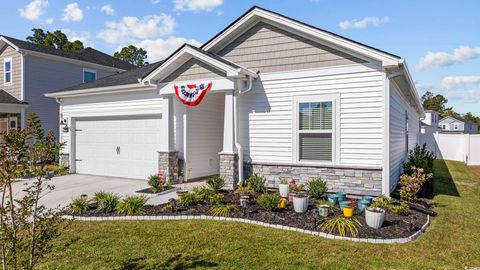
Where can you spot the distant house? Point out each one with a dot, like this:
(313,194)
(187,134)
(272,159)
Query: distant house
(430,124)
(457,125)
(268,95)
(30,70)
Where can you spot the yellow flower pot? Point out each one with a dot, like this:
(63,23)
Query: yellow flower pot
(282,203)
(347,211)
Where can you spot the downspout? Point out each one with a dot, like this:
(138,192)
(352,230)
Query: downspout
(237,143)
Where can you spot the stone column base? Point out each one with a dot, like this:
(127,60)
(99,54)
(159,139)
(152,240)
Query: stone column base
(229,170)
(168,164)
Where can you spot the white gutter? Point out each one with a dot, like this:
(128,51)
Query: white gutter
(102,90)
(237,143)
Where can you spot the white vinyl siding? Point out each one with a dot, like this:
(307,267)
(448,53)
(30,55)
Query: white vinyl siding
(399,145)
(266,114)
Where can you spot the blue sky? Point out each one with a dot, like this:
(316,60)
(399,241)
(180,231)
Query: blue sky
(439,39)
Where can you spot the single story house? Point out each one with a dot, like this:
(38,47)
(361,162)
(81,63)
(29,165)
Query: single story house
(457,125)
(268,95)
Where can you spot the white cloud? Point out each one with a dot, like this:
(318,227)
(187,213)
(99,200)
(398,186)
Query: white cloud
(159,49)
(454,82)
(363,23)
(49,20)
(129,29)
(72,12)
(471,95)
(423,86)
(34,10)
(84,37)
(442,59)
(108,9)
(196,5)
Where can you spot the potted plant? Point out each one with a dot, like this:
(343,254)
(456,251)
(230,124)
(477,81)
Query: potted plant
(324,207)
(375,214)
(284,188)
(300,199)
(348,211)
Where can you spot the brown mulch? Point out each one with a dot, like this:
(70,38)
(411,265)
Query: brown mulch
(394,226)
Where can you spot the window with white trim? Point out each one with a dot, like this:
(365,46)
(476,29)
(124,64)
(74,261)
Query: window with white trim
(89,75)
(7,71)
(315,127)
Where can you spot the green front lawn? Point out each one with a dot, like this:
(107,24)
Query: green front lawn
(451,242)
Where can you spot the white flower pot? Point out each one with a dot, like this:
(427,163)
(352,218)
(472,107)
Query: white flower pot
(300,203)
(284,190)
(374,217)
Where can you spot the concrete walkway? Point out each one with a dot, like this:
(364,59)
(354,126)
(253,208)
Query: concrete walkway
(71,186)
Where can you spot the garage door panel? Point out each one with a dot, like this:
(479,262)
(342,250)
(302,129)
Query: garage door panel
(97,141)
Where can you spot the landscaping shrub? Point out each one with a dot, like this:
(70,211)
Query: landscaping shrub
(382,202)
(155,183)
(419,157)
(341,224)
(79,205)
(410,184)
(132,205)
(269,201)
(217,198)
(105,201)
(215,183)
(256,183)
(243,190)
(187,199)
(399,209)
(222,210)
(317,188)
(203,192)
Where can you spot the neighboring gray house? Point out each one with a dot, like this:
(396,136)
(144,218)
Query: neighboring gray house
(29,71)
(458,124)
(430,123)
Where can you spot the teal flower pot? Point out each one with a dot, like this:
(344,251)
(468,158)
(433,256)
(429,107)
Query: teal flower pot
(368,198)
(333,198)
(341,196)
(362,204)
(344,203)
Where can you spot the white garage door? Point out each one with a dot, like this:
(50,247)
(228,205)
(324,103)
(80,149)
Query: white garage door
(121,147)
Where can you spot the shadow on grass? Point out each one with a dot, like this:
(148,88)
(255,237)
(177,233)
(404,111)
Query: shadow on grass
(178,261)
(443,183)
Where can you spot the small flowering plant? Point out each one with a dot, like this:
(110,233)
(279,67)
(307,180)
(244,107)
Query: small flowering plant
(296,187)
(411,184)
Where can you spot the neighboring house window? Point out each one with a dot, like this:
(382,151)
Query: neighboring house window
(7,71)
(89,75)
(315,130)
(406,131)
(13,123)
(455,126)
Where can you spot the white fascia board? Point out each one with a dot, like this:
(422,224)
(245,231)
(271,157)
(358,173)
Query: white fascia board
(73,61)
(386,59)
(6,41)
(102,90)
(413,89)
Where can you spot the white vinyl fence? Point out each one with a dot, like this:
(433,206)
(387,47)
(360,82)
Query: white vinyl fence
(459,147)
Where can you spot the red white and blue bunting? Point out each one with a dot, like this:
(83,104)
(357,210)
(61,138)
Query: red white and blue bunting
(192,94)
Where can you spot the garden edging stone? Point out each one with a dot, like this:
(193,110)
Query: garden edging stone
(275,226)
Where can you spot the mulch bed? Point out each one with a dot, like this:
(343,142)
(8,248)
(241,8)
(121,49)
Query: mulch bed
(394,226)
(150,191)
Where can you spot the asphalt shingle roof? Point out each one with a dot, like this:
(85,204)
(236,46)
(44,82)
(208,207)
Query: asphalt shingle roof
(6,98)
(122,78)
(88,54)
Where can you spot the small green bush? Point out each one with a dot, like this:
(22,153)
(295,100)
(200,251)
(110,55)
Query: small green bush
(154,183)
(341,224)
(132,205)
(215,183)
(317,188)
(105,201)
(256,183)
(187,199)
(222,210)
(269,201)
(419,157)
(79,205)
(399,209)
(217,198)
(243,190)
(203,192)
(382,202)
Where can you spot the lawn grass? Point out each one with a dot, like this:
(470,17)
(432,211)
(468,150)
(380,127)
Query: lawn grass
(451,242)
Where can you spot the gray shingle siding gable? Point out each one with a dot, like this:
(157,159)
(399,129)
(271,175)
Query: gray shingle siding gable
(194,69)
(267,48)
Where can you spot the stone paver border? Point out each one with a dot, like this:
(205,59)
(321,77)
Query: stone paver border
(276,226)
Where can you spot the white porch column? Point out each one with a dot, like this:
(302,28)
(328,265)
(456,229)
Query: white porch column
(228,124)
(166,132)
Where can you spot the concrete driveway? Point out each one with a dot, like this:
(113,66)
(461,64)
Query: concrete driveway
(71,186)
